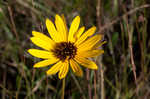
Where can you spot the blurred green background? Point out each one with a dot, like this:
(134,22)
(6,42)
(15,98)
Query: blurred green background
(125,26)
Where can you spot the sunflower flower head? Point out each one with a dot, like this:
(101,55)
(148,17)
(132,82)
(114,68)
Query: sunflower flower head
(65,48)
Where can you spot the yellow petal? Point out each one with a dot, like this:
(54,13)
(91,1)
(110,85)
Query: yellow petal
(89,43)
(42,36)
(42,43)
(73,28)
(88,33)
(79,32)
(40,53)
(76,68)
(63,17)
(90,53)
(45,63)
(85,62)
(54,69)
(99,44)
(60,25)
(52,30)
(64,70)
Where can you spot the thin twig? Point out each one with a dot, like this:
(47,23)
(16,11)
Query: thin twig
(13,23)
(106,26)
(102,82)
(101,77)
(98,13)
(95,88)
(141,47)
(130,34)
(89,86)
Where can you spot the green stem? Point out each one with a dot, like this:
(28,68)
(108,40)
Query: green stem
(63,89)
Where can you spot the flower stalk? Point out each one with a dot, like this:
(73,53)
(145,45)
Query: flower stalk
(63,89)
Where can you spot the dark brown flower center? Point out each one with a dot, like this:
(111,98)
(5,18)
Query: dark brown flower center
(64,50)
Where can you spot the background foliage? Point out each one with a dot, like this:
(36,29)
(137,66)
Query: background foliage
(125,26)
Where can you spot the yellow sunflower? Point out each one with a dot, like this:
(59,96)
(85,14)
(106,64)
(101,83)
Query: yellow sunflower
(65,48)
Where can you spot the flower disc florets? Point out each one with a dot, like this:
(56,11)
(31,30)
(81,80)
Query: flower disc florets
(64,50)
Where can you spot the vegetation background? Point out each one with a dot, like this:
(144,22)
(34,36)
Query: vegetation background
(124,68)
